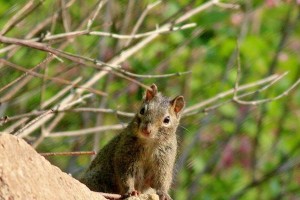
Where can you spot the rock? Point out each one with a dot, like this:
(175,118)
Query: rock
(24,174)
(144,197)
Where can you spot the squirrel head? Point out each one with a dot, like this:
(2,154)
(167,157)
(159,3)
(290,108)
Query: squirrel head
(158,116)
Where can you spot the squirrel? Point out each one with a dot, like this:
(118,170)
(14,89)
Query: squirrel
(141,158)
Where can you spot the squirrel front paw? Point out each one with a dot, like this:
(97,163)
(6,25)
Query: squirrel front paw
(131,193)
(163,195)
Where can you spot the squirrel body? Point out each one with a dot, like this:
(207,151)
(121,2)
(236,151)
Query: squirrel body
(142,156)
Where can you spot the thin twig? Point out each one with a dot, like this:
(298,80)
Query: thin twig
(15,125)
(271,83)
(54,79)
(121,75)
(238,73)
(256,102)
(129,52)
(43,47)
(126,19)
(153,76)
(35,123)
(19,132)
(80,110)
(22,82)
(35,30)
(21,15)
(101,110)
(61,93)
(70,104)
(208,109)
(114,62)
(65,16)
(140,20)
(77,153)
(43,86)
(87,131)
(118,36)
(195,11)
(91,21)
(13,82)
(81,60)
(222,95)
(227,5)
(103,34)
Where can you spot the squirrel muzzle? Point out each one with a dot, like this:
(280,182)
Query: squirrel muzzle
(145,130)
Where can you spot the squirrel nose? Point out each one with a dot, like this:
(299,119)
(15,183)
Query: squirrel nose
(146,131)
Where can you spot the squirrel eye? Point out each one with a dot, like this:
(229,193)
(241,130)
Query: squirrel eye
(167,119)
(142,111)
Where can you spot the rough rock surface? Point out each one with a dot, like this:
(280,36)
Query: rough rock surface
(24,174)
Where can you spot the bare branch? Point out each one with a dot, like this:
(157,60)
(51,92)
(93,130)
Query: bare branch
(43,47)
(21,82)
(35,30)
(100,110)
(196,11)
(21,15)
(87,131)
(78,153)
(222,95)
(54,79)
(91,21)
(19,132)
(35,123)
(15,125)
(96,33)
(141,35)
(61,93)
(153,76)
(113,64)
(227,5)
(65,16)
(238,73)
(256,102)
(17,80)
(141,19)
(77,110)
(208,109)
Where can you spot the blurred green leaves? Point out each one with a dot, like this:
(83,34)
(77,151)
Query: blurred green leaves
(221,151)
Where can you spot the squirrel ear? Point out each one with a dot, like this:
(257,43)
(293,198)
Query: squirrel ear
(151,93)
(177,104)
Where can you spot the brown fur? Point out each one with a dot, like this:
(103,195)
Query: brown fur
(142,156)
